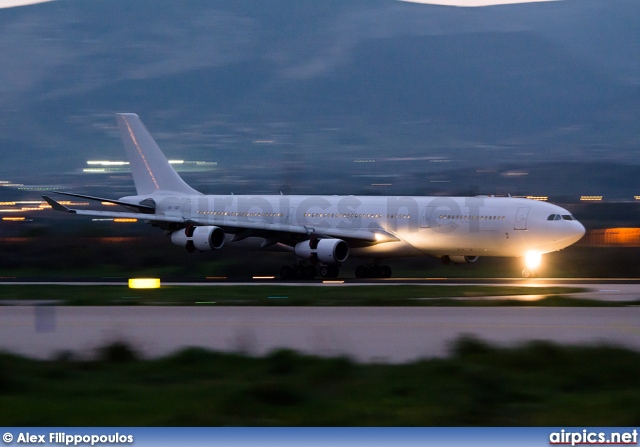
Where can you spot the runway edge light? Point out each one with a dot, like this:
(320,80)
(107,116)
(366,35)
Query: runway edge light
(144,283)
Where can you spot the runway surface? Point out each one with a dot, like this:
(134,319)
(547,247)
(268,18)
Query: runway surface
(395,334)
(366,334)
(598,289)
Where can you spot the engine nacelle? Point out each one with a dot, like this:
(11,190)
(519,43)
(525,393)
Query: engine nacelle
(327,251)
(199,238)
(460,259)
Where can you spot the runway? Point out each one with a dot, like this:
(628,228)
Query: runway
(602,289)
(365,334)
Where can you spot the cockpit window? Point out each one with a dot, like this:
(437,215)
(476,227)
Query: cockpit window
(560,217)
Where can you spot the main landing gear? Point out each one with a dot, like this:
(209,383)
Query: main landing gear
(303,271)
(373,271)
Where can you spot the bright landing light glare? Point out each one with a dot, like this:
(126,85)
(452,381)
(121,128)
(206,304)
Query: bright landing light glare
(532,260)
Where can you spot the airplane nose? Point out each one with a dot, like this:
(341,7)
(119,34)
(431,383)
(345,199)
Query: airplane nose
(579,231)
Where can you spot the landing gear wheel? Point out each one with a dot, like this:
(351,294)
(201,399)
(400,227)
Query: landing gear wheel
(361,272)
(329,271)
(386,271)
(298,272)
(526,273)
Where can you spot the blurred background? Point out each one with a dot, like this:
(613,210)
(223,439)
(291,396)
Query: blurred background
(375,97)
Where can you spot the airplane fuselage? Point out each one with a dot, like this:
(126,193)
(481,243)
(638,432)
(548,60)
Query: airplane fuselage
(408,226)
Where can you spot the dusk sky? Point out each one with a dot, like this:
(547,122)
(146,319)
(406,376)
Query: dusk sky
(254,84)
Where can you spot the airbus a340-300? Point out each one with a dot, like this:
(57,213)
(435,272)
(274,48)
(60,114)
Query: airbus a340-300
(325,231)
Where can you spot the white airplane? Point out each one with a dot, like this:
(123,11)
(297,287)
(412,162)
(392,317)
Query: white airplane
(324,231)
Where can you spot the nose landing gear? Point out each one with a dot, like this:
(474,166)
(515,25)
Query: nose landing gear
(532,261)
(527,273)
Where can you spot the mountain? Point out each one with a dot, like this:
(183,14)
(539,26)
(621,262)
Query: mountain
(265,83)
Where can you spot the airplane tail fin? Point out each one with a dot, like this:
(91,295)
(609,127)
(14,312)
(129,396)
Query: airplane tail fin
(150,168)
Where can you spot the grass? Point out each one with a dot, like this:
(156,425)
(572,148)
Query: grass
(274,295)
(536,384)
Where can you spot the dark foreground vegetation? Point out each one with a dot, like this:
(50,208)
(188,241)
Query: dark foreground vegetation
(535,384)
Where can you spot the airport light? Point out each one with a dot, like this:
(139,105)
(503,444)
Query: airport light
(144,283)
(107,163)
(590,198)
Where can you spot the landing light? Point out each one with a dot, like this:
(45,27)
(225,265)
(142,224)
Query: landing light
(532,260)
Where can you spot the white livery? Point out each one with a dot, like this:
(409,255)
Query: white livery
(325,231)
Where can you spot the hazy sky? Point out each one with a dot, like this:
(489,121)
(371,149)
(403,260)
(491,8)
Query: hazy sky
(475,2)
(12,3)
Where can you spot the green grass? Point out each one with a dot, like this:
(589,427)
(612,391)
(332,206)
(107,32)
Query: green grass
(535,384)
(274,295)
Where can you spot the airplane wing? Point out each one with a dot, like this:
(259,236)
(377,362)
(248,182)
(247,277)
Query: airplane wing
(259,229)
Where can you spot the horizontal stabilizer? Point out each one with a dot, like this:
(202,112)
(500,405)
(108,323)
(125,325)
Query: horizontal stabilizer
(56,206)
(140,207)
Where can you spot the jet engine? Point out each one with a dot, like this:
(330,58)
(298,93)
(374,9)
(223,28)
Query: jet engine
(459,259)
(199,238)
(327,251)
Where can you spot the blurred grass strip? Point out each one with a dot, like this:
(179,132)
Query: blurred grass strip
(535,384)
